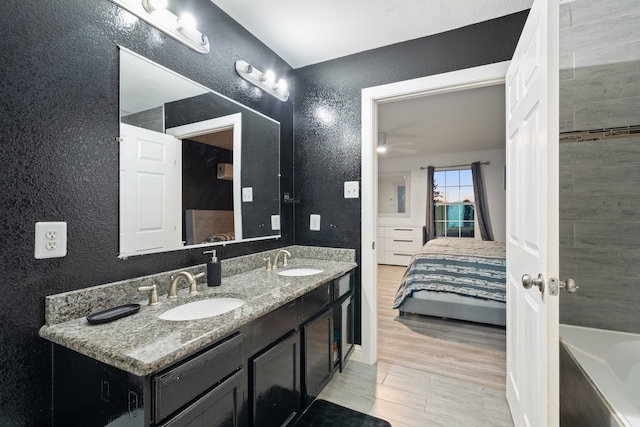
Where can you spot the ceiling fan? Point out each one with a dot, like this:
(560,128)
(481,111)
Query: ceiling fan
(397,147)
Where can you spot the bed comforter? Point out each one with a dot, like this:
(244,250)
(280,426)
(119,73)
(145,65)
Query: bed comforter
(465,267)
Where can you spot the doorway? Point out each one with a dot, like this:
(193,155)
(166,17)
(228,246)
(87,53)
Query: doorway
(488,75)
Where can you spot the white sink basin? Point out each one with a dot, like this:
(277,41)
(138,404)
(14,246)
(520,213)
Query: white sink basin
(202,309)
(299,272)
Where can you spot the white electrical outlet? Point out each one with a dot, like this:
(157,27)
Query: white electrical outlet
(51,240)
(351,189)
(247,194)
(314,222)
(275,222)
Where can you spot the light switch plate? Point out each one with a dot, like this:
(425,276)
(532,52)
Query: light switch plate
(275,222)
(51,240)
(314,222)
(351,189)
(247,194)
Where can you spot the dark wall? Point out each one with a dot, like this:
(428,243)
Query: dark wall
(327,118)
(59,160)
(201,188)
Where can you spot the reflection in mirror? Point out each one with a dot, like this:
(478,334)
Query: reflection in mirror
(393,194)
(196,168)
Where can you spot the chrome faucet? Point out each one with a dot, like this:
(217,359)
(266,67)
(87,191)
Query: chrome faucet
(173,287)
(286,254)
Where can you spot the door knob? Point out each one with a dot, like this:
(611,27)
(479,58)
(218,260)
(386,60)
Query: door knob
(528,282)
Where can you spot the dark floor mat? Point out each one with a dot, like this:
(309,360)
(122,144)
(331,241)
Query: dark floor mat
(326,414)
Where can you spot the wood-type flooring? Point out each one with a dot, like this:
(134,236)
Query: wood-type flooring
(430,371)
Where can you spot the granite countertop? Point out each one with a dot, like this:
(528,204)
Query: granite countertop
(142,344)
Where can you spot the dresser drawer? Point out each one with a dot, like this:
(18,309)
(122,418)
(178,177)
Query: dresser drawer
(397,258)
(399,244)
(404,233)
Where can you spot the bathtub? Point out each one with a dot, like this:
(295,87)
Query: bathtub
(611,359)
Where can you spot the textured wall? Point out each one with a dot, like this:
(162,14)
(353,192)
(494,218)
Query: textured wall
(59,160)
(328,109)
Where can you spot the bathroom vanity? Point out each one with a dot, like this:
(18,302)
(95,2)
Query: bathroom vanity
(260,364)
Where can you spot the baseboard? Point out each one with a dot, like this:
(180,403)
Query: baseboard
(356,355)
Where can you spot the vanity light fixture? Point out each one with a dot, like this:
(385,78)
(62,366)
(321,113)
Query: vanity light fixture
(265,81)
(155,13)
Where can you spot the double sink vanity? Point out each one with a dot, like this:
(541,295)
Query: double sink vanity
(254,351)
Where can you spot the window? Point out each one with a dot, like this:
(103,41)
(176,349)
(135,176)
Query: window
(454,203)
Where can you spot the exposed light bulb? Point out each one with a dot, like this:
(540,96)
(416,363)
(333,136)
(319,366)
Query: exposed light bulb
(281,85)
(268,76)
(151,5)
(187,21)
(381,149)
(265,81)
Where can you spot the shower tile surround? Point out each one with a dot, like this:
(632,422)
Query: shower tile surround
(599,195)
(142,344)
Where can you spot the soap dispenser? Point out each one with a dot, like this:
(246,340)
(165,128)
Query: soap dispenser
(214,270)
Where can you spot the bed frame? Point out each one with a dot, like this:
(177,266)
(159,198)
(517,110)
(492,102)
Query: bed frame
(470,311)
(456,306)
(200,224)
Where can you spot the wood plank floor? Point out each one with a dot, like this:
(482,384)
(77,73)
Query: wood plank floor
(430,371)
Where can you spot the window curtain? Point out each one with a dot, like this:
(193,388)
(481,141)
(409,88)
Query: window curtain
(430,231)
(482,212)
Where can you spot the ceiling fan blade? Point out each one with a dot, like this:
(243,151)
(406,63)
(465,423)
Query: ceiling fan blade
(398,144)
(402,150)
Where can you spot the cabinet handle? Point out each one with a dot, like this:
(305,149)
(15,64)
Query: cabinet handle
(402,254)
(403,229)
(401,240)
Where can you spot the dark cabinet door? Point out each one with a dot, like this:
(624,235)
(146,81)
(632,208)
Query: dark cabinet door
(346,332)
(219,407)
(275,389)
(317,338)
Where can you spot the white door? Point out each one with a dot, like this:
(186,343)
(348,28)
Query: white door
(149,197)
(532,220)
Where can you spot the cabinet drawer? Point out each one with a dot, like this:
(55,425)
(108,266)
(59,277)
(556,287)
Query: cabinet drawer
(181,384)
(397,258)
(399,244)
(219,407)
(315,300)
(342,286)
(273,326)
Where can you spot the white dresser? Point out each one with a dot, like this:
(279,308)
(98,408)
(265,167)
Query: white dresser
(397,244)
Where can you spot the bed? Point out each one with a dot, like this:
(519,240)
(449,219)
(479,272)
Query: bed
(456,278)
(208,226)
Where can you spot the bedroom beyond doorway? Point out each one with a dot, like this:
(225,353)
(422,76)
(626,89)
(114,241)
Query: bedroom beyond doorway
(430,371)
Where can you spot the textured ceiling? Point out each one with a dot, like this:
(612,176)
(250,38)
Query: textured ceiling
(304,32)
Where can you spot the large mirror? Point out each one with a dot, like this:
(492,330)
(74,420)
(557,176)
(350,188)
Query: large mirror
(393,194)
(196,168)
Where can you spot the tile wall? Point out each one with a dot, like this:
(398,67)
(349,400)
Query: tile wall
(599,191)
